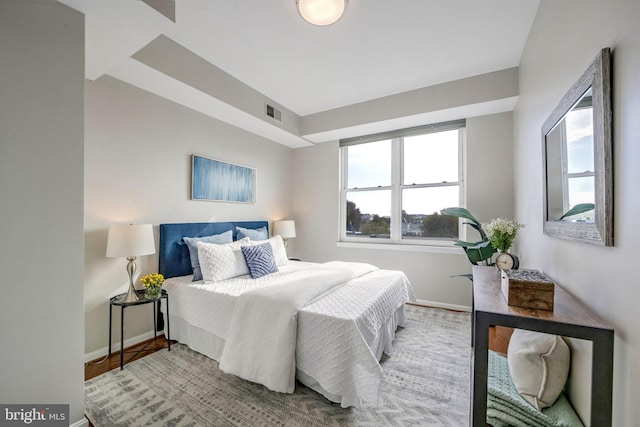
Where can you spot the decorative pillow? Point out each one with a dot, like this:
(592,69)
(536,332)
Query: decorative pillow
(226,237)
(279,251)
(220,262)
(260,260)
(539,366)
(257,234)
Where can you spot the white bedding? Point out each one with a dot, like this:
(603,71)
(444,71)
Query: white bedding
(261,343)
(340,338)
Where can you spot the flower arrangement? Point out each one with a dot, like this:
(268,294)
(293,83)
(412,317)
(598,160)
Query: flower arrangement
(152,283)
(501,232)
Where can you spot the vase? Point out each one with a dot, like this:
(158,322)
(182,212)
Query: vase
(152,292)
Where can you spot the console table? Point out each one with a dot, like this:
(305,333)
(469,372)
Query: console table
(569,318)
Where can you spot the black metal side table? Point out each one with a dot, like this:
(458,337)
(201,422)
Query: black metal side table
(117,301)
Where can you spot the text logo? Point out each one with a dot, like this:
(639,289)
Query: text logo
(34,415)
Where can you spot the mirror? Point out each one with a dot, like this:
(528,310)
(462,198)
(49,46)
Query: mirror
(577,155)
(570,159)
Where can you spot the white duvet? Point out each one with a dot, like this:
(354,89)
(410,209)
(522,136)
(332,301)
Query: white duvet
(341,333)
(261,341)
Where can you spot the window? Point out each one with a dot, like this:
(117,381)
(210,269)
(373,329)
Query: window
(395,185)
(578,169)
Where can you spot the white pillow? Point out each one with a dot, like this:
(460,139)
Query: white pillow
(191,242)
(279,251)
(539,366)
(220,262)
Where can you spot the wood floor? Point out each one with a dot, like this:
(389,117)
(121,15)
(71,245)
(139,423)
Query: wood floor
(105,364)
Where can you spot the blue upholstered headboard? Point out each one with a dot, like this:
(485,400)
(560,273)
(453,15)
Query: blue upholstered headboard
(174,254)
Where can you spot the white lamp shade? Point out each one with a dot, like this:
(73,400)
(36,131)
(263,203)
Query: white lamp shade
(321,12)
(286,229)
(130,240)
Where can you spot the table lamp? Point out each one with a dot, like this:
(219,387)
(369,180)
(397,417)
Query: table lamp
(286,229)
(130,241)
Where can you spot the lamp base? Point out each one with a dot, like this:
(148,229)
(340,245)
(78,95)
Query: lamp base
(131,295)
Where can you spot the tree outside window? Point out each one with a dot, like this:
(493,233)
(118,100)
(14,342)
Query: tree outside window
(395,187)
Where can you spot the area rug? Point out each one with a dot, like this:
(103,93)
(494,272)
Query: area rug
(425,383)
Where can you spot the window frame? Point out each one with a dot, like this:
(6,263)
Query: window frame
(566,175)
(397,184)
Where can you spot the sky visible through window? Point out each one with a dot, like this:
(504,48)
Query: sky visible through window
(580,140)
(428,159)
(580,159)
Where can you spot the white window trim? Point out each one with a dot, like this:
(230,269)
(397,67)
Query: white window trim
(442,249)
(396,242)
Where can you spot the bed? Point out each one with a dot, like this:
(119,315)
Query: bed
(339,335)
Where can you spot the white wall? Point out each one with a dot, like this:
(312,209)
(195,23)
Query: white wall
(41,196)
(565,38)
(138,170)
(316,206)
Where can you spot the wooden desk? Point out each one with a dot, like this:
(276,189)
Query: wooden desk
(570,318)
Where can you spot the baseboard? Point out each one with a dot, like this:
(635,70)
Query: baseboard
(116,347)
(84,422)
(437,304)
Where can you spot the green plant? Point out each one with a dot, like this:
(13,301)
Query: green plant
(479,252)
(578,209)
(501,232)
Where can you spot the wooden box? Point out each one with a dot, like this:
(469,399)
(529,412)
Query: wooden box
(527,288)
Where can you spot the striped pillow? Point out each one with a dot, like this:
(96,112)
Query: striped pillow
(260,260)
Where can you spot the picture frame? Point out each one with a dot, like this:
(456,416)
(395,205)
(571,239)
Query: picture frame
(219,181)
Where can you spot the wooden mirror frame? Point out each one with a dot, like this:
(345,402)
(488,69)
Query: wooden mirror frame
(600,232)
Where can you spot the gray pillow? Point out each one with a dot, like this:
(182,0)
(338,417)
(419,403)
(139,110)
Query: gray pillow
(257,234)
(192,244)
(539,366)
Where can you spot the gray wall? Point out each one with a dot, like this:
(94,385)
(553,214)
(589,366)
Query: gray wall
(41,194)
(565,38)
(138,170)
(317,197)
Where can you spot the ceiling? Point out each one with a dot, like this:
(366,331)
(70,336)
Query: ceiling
(379,48)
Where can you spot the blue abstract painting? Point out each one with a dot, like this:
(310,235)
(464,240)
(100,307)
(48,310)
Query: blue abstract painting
(221,181)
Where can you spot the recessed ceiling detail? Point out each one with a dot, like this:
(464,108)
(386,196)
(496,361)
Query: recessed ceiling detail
(165,7)
(380,49)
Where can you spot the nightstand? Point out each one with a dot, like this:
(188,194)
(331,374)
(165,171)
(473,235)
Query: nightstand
(117,302)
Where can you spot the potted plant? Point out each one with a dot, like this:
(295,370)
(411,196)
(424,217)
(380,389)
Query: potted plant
(152,284)
(479,252)
(501,233)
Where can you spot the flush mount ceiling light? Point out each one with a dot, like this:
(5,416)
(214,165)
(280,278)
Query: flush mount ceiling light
(321,12)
